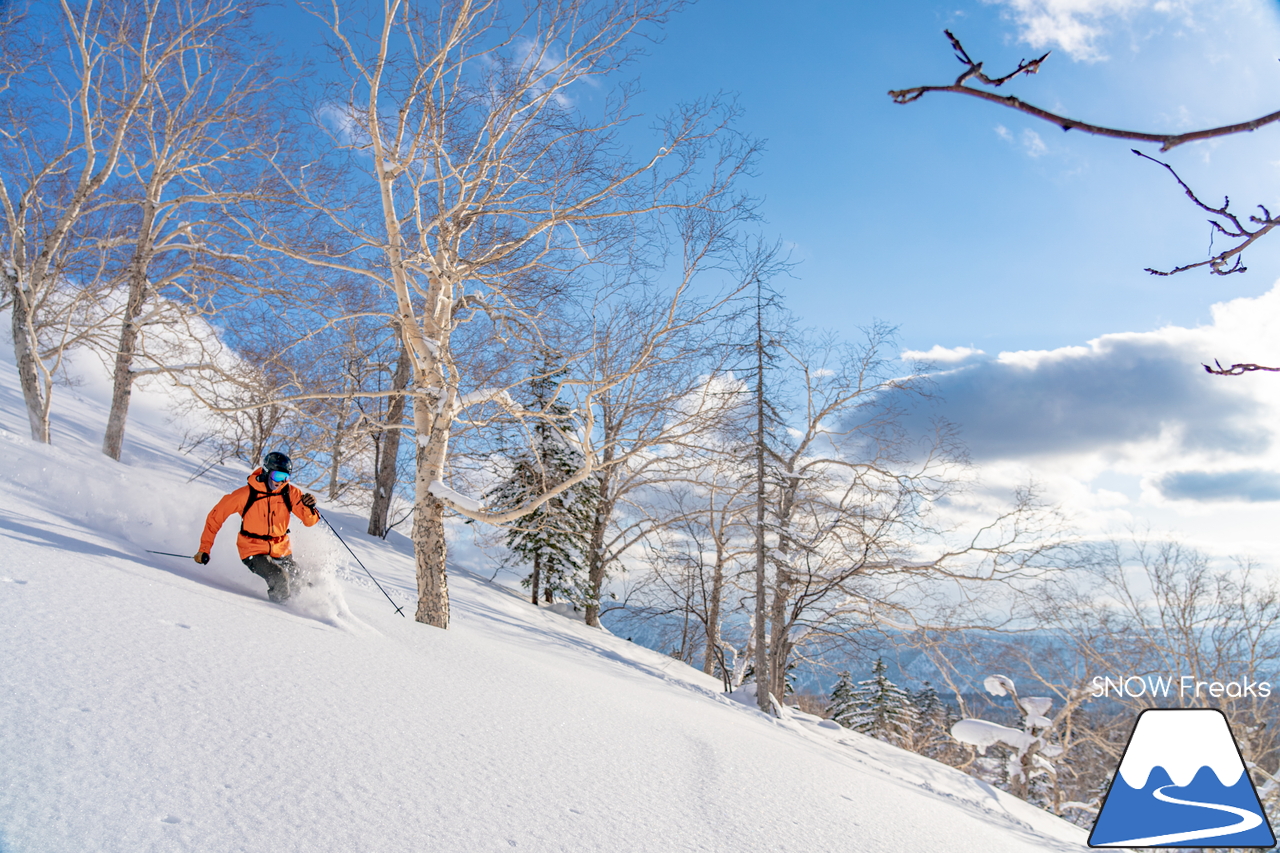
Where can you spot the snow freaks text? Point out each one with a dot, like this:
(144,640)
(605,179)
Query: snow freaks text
(1186,687)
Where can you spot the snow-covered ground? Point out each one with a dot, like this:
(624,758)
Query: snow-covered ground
(151,704)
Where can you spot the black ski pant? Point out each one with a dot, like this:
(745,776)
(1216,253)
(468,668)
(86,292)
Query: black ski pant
(278,572)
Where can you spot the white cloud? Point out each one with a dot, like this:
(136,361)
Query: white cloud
(345,123)
(1033,144)
(942,355)
(1129,429)
(1032,359)
(545,66)
(1076,26)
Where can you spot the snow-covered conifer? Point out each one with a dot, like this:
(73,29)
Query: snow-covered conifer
(933,730)
(882,709)
(553,538)
(842,696)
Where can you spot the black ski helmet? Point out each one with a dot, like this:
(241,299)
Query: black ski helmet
(277,461)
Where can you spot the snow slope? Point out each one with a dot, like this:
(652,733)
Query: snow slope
(151,704)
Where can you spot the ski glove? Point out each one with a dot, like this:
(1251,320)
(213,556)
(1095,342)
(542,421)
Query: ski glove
(309,501)
(201,557)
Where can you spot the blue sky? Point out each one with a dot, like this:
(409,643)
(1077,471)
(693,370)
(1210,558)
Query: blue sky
(925,216)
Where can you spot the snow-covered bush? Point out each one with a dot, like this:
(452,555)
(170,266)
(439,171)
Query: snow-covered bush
(1029,767)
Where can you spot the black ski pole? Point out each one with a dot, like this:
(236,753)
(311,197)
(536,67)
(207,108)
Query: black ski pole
(399,607)
(167,554)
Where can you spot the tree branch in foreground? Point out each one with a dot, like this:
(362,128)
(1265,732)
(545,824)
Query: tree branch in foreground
(1236,369)
(1236,230)
(974,70)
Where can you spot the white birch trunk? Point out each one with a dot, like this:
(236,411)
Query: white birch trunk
(24,350)
(122,375)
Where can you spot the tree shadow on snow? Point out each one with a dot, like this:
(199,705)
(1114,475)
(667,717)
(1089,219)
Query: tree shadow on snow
(40,533)
(48,538)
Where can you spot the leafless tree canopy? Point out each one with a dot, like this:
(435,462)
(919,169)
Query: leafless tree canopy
(469,185)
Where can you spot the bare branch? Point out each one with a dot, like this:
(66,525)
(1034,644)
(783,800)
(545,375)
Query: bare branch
(1218,264)
(1236,369)
(974,70)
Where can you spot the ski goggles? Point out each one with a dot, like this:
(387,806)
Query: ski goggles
(278,477)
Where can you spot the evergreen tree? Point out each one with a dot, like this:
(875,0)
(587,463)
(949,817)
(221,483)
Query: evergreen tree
(929,708)
(842,696)
(882,709)
(553,538)
(933,731)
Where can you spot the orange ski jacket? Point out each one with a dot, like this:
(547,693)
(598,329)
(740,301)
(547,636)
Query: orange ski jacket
(264,526)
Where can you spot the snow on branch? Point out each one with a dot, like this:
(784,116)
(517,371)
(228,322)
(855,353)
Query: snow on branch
(475,510)
(983,733)
(457,500)
(998,685)
(1032,749)
(1037,711)
(173,368)
(483,395)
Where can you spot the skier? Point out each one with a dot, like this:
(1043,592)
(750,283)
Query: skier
(264,506)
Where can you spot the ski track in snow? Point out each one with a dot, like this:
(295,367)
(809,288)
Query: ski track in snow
(148,703)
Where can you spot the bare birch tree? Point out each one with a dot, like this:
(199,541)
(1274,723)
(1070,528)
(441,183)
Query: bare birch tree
(701,555)
(663,412)
(115,137)
(1161,610)
(67,119)
(851,515)
(386,439)
(495,179)
(1117,633)
(240,401)
(203,124)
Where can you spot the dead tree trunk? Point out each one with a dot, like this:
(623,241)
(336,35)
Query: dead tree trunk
(432,416)
(430,550)
(712,658)
(335,452)
(762,587)
(535,579)
(780,644)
